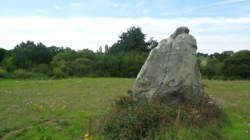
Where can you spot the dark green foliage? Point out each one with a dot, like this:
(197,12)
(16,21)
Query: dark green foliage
(53,50)
(86,53)
(3,73)
(63,69)
(23,74)
(227,65)
(213,68)
(29,54)
(43,68)
(3,52)
(132,40)
(151,43)
(20,73)
(202,54)
(138,120)
(224,55)
(238,66)
(71,63)
(7,63)
(82,66)
(125,57)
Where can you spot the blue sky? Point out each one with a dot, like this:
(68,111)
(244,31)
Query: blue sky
(218,25)
(125,8)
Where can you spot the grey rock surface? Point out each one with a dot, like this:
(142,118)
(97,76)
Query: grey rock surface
(171,70)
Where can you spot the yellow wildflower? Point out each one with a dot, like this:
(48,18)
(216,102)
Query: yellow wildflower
(86,136)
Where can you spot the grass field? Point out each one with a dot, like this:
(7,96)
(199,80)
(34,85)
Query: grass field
(59,109)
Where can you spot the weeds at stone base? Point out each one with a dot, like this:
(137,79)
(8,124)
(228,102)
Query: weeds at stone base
(137,120)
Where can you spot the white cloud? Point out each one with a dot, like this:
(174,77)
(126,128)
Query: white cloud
(74,4)
(223,2)
(213,34)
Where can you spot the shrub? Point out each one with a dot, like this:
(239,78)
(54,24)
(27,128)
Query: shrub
(3,73)
(7,63)
(23,74)
(237,66)
(20,73)
(82,66)
(137,120)
(44,69)
(59,73)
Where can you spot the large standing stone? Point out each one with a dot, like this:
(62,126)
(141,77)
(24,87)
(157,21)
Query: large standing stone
(171,70)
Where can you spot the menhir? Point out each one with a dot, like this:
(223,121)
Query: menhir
(171,71)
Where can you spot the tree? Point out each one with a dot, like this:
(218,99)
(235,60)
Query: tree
(106,48)
(43,68)
(62,63)
(82,66)
(3,52)
(86,53)
(55,50)
(224,55)
(123,59)
(238,65)
(132,40)
(28,54)
(213,68)
(63,69)
(152,43)
(99,50)
(199,54)
(8,64)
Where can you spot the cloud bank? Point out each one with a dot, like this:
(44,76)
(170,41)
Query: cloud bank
(212,34)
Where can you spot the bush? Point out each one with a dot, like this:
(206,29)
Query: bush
(3,73)
(20,73)
(43,68)
(237,66)
(7,63)
(82,66)
(137,120)
(23,74)
(59,73)
(213,68)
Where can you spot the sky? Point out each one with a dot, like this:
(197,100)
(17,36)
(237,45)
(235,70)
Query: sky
(218,25)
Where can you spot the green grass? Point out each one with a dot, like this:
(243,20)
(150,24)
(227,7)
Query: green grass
(234,97)
(59,109)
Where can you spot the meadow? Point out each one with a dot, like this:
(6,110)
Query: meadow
(60,109)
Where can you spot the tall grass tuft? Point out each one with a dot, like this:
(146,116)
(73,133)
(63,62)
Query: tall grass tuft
(154,119)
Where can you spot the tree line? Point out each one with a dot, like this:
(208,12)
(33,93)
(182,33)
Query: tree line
(122,59)
(226,65)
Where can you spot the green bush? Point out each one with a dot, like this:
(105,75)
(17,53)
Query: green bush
(23,74)
(237,66)
(82,66)
(44,69)
(137,120)
(7,63)
(3,73)
(59,73)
